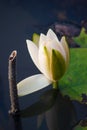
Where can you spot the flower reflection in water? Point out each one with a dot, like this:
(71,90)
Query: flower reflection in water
(59,111)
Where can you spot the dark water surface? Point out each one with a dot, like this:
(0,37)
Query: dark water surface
(19,19)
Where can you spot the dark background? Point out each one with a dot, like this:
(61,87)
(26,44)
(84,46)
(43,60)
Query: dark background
(19,19)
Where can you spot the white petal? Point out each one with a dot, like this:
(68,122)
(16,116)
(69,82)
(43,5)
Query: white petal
(32,84)
(66,48)
(33,51)
(52,35)
(44,62)
(42,40)
(55,43)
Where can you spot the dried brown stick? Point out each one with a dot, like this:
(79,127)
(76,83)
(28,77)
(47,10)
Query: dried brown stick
(12,83)
(14,110)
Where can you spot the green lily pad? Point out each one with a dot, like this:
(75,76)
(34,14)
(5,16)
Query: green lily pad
(74,82)
(80,128)
(82,38)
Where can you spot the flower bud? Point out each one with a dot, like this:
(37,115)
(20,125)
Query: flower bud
(51,56)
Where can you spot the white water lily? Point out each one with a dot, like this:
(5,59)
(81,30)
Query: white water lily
(51,57)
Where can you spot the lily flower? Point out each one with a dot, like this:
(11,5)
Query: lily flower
(51,57)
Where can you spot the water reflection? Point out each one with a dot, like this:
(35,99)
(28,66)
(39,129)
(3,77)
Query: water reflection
(58,111)
(62,116)
(3,113)
(46,101)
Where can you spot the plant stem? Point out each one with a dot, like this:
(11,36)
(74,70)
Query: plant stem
(55,85)
(14,110)
(12,82)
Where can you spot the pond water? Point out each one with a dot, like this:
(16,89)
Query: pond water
(19,19)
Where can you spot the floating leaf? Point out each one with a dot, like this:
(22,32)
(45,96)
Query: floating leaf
(74,82)
(82,38)
(80,128)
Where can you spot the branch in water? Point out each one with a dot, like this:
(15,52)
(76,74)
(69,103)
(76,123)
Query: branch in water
(12,83)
